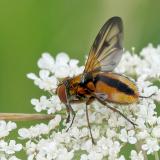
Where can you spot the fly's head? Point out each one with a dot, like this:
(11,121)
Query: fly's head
(67,90)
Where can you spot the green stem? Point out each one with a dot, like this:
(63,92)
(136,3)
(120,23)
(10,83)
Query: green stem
(156,156)
(138,149)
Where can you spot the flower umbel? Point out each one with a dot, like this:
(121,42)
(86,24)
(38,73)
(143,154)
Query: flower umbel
(8,147)
(110,131)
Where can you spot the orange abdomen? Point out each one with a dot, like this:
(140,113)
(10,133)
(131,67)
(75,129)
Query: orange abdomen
(118,88)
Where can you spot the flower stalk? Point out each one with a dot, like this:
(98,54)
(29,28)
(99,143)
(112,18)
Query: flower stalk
(138,146)
(156,156)
(24,116)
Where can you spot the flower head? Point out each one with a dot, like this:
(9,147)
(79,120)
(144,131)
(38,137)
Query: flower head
(110,130)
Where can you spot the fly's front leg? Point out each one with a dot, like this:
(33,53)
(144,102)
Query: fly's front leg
(68,105)
(70,109)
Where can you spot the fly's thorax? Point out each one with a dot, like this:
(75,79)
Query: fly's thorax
(78,86)
(85,78)
(73,84)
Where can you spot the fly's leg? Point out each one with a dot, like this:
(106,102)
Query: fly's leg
(89,126)
(68,105)
(148,96)
(70,109)
(115,110)
(87,116)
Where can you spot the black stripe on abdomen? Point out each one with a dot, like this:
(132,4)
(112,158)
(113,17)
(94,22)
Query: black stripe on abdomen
(120,86)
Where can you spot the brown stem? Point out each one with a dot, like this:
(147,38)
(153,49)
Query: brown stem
(24,117)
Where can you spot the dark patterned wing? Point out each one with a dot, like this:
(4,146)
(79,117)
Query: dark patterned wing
(107,48)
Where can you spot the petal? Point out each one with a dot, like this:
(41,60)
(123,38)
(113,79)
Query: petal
(132,140)
(44,74)
(46,61)
(62,72)
(73,62)
(32,76)
(34,101)
(11,125)
(24,133)
(62,58)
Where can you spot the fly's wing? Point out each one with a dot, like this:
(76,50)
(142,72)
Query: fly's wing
(107,48)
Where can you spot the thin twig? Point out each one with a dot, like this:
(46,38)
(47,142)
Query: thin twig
(24,116)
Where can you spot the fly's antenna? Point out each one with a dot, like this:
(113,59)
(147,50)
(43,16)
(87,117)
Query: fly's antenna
(148,96)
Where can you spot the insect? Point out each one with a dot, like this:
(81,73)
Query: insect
(98,81)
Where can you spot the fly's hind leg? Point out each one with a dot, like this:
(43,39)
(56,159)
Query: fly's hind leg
(116,110)
(148,96)
(101,100)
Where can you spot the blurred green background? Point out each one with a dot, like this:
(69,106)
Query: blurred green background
(31,27)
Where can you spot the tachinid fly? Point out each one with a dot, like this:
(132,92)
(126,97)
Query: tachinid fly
(98,82)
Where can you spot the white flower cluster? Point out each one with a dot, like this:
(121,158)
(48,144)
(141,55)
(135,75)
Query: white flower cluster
(54,70)
(111,131)
(145,64)
(51,105)
(8,148)
(39,129)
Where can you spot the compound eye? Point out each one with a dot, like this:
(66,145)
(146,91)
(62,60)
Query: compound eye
(61,91)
